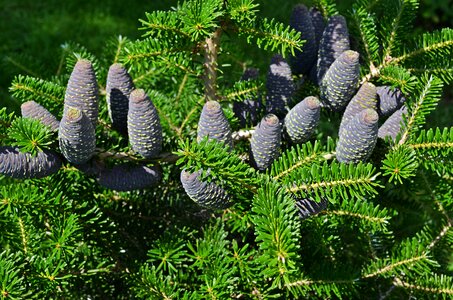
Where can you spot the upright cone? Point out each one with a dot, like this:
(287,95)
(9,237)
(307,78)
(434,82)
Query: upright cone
(143,124)
(214,125)
(358,139)
(266,142)
(33,110)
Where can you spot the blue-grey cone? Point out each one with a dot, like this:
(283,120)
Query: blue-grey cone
(390,100)
(318,24)
(118,89)
(214,125)
(82,90)
(365,97)
(76,136)
(392,126)
(206,194)
(308,207)
(301,21)
(358,138)
(334,41)
(280,86)
(266,142)
(19,165)
(124,177)
(143,124)
(340,81)
(249,111)
(33,110)
(302,119)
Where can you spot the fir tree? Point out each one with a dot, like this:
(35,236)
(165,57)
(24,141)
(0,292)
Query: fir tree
(169,212)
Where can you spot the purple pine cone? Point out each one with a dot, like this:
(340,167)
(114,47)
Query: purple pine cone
(358,138)
(209,195)
(33,110)
(280,86)
(143,123)
(124,177)
(392,126)
(365,97)
(301,21)
(119,87)
(248,111)
(16,164)
(302,120)
(308,207)
(334,41)
(265,142)
(82,91)
(76,136)
(340,81)
(318,24)
(214,125)
(390,100)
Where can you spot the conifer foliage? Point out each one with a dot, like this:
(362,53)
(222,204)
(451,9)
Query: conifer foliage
(170,176)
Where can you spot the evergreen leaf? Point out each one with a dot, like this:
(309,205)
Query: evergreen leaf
(271,35)
(334,181)
(242,10)
(422,101)
(199,17)
(301,155)
(162,24)
(398,77)
(328,8)
(432,285)
(400,163)
(26,88)
(364,26)
(30,135)
(276,229)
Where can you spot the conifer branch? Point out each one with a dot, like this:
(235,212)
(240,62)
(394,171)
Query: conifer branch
(391,267)
(23,235)
(30,88)
(429,290)
(428,95)
(379,220)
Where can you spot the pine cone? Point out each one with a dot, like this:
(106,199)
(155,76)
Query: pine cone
(390,100)
(119,87)
(248,111)
(392,125)
(308,207)
(365,97)
(124,177)
(301,21)
(214,124)
(16,164)
(334,41)
(318,24)
(82,91)
(340,81)
(143,123)
(280,86)
(209,195)
(357,140)
(33,110)
(302,120)
(76,136)
(265,142)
